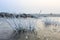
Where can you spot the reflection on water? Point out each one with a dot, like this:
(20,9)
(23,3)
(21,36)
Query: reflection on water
(43,28)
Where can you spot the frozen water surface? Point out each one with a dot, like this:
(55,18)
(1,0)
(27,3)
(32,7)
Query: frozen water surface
(45,28)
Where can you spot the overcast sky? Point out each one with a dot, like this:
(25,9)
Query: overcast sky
(30,6)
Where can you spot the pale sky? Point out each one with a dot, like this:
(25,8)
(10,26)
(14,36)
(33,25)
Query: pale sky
(30,6)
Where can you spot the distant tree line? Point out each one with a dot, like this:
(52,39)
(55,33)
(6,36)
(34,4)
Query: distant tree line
(11,15)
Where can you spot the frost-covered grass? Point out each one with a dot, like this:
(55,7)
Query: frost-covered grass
(35,28)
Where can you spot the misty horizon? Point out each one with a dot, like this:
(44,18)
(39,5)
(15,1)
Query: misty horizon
(30,6)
